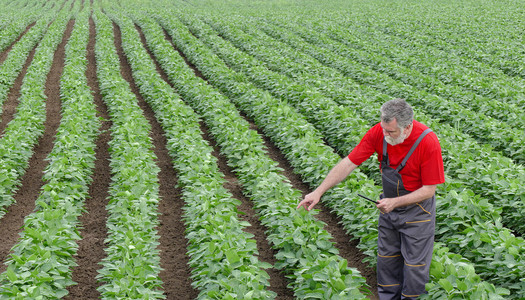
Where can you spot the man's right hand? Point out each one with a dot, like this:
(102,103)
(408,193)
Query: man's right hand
(339,172)
(309,201)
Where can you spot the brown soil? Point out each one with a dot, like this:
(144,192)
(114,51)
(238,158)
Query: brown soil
(10,104)
(4,54)
(11,223)
(94,231)
(278,281)
(174,261)
(347,247)
(11,101)
(345,243)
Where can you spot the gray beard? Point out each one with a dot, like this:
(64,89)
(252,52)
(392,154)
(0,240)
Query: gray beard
(397,141)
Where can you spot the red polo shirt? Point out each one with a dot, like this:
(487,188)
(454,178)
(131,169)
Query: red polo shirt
(424,167)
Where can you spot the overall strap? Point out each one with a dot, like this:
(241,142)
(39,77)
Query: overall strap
(385,154)
(403,163)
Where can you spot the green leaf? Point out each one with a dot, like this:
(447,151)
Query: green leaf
(232,257)
(462,286)
(446,285)
(298,237)
(339,284)
(11,274)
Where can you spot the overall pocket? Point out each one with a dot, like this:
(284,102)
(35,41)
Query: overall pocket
(420,219)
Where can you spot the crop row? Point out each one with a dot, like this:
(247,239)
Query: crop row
(496,173)
(13,25)
(416,65)
(14,6)
(311,265)
(352,96)
(132,262)
(23,132)
(223,256)
(40,265)
(465,72)
(495,41)
(481,225)
(231,84)
(501,136)
(286,128)
(17,56)
(499,173)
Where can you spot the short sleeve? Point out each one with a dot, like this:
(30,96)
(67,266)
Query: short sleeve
(432,169)
(367,146)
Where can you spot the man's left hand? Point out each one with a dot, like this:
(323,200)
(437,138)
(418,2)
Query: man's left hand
(387,205)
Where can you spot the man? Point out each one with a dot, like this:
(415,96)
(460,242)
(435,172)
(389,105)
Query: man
(411,165)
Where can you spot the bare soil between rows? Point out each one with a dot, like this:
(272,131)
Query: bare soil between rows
(11,102)
(31,182)
(176,274)
(94,231)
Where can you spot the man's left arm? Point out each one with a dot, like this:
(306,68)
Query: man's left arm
(386,205)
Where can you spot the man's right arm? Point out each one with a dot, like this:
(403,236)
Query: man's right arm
(338,173)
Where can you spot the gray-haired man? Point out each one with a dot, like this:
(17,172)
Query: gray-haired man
(411,166)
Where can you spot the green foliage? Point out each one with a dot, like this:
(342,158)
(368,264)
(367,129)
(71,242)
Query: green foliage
(222,255)
(291,232)
(40,265)
(308,81)
(236,86)
(15,147)
(132,262)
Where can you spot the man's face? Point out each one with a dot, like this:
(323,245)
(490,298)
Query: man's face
(393,134)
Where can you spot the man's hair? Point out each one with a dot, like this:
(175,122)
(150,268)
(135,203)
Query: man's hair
(397,109)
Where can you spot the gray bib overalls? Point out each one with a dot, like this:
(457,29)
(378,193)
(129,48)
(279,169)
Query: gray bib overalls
(405,237)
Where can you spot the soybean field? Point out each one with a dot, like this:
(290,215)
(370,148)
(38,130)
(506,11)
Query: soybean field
(158,149)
